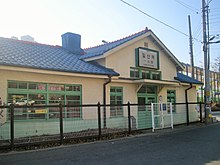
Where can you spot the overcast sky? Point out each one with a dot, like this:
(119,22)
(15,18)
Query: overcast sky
(97,20)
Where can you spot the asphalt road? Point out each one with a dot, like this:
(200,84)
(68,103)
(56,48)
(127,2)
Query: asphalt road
(193,145)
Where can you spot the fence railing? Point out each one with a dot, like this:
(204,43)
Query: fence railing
(38,124)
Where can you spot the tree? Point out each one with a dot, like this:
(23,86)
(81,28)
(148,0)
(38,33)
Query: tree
(216,64)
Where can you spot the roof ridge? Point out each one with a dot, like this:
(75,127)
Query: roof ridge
(29,42)
(146,29)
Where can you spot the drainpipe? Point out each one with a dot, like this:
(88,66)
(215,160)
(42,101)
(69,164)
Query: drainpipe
(187,106)
(104,99)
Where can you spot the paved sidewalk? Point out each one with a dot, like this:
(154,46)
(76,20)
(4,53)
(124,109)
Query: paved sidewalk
(195,144)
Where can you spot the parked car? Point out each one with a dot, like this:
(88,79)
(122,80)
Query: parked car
(25,102)
(216,107)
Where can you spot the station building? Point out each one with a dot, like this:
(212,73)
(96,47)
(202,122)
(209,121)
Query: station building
(138,69)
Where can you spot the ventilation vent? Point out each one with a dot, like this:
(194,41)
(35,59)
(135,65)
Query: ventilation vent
(146,44)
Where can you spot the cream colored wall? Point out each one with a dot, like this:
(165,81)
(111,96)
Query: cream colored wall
(122,60)
(191,94)
(180,94)
(92,91)
(129,92)
(101,61)
(91,87)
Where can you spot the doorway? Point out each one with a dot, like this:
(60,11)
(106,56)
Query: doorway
(146,95)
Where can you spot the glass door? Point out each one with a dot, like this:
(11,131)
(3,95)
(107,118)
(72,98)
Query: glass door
(145,95)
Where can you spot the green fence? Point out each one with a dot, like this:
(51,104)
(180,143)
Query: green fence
(22,125)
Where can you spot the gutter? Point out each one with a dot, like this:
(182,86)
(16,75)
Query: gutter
(187,105)
(104,98)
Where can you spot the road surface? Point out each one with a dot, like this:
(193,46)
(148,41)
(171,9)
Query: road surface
(192,145)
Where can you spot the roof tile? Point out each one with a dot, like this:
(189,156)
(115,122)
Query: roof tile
(101,49)
(40,56)
(186,79)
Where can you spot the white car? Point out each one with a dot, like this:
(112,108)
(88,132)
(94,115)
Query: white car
(25,102)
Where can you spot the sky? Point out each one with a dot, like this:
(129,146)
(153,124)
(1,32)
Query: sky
(97,20)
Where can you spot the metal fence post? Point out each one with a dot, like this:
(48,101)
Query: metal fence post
(200,111)
(187,113)
(99,121)
(129,118)
(12,126)
(61,123)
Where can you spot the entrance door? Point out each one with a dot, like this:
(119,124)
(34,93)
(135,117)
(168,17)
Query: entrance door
(144,112)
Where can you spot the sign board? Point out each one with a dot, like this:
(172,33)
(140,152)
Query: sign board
(41,111)
(147,58)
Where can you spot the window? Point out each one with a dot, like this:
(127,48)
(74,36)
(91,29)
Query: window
(22,85)
(146,44)
(116,100)
(171,97)
(37,86)
(73,88)
(12,84)
(73,111)
(17,85)
(134,73)
(156,75)
(32,93)
(139,73)
(146,74)
(56,87)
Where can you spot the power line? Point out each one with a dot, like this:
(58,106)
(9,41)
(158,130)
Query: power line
(187,6)
(197,30)
(216,8)
(215,22)
(211,15)
(157,19)
(215,18)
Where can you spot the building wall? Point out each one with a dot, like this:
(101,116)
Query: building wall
(90,86)
(123,59)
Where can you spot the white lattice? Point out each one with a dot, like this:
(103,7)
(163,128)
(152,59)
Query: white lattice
(162,116)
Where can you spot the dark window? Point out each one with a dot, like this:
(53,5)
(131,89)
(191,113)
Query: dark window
(12,85)
(134,73)
(171,97)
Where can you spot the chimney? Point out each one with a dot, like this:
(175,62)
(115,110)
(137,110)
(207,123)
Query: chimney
(72,42)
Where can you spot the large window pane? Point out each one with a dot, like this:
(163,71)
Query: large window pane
(54,94)
(38,98)
(16,98)
(73,111)
(171,97)
(116,99)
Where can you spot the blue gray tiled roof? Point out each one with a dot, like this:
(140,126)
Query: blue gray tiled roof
(101,49)
(40,56)
(186,79)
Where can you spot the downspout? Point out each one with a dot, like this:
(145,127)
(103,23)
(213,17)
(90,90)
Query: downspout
(187,105)
(104,98)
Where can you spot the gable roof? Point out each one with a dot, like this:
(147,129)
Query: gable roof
(186,79)
(39,56)
(99,51)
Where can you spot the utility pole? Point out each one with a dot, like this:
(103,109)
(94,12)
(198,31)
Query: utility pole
(206,69)
(191,47)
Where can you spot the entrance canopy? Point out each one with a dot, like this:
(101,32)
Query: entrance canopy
(157,82)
